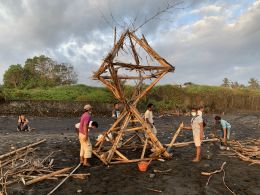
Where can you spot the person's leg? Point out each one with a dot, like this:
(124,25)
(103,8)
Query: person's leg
(84,147)
(197,143)
(25,128)
(19,127)
(154,130)
(198,154)
(81,154)
(228,133)
(88,153)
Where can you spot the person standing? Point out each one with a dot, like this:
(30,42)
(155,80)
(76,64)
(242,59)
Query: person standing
(226,128)
(149,118)
(198,132)
(116,111)
(85,144)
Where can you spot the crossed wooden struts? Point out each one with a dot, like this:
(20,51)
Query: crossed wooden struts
(111,74)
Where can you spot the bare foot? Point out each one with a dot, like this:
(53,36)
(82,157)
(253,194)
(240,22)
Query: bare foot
(86,165)
(195,160)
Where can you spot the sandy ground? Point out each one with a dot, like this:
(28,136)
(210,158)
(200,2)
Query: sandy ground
(184,178)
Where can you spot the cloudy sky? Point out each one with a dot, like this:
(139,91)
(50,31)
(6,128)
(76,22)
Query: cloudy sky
(205,40)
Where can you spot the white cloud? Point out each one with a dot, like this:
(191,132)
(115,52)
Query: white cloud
(222,42)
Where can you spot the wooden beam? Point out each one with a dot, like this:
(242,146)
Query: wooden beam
(144,44)
(144,67)
(112,150)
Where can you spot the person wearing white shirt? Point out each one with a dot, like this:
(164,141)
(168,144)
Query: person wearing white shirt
(149,118)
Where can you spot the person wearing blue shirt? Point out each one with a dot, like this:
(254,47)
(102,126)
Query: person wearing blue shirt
(226,127)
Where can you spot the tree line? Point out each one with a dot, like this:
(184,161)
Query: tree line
(39,71)
(252,84)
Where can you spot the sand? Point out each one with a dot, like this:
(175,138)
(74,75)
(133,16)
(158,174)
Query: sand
(184,177)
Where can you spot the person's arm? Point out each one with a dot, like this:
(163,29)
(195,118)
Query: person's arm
(26,122)
(225,136)
(201,131)
(147,120)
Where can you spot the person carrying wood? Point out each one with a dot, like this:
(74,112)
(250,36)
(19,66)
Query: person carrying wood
(198,132)
(149,118)
(85,144)
(226,128)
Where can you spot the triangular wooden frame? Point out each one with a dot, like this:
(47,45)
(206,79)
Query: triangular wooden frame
(121,127)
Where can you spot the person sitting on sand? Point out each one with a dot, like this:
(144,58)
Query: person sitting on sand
(198,132)
(226,128)
(149,118)
(85,144)
(22,123)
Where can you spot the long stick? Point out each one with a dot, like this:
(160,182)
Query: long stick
(20,149)
(173,139)
(181,144)
(47,176)
(64,179)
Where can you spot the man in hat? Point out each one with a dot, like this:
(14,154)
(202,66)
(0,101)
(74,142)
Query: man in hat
(85,145)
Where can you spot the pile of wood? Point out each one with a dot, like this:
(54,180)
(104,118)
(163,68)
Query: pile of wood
(247,150)
(23,166)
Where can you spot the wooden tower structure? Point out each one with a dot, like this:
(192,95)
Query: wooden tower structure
(130,127)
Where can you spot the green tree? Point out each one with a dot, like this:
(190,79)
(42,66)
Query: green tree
(43,71)
(14,76)
(253,83)
(226,82)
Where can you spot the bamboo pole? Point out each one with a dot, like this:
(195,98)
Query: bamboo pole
(64,179)
(144,44)
(144,148)
(20,149)
(181,144)
(148,130)
(148,88)
(121,155)
(40,178)
(174,138)
(112,150)
(121,116)
(132,161)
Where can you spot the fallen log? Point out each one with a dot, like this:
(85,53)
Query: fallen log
(40,178)
(20,149)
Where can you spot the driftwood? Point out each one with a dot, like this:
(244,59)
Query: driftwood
(40,178)
(54,189)
(154,190)
(246,150)
(210,174)
(112,78)
(182,144)
(20,149)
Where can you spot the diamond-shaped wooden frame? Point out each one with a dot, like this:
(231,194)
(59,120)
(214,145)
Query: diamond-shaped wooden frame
(111,154)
